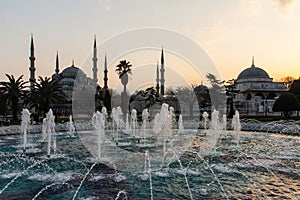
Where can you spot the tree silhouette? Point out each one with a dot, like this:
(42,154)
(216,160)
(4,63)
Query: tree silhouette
(286,103)
(103,99)
(12,92)
(287,80)
(143,99)
(216,92)
(295,88)
(289,101)
(46,92)
(123,69)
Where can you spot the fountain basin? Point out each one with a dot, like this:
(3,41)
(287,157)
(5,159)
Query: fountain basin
(265,165)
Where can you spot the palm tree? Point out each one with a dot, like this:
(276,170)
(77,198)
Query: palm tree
(123,69)
(46,92)
(12,91)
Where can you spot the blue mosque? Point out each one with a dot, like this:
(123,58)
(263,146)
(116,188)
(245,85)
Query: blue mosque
(67,78)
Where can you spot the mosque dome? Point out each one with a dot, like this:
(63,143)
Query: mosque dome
(253,72)
(71,74)
(70,71)
(201,89)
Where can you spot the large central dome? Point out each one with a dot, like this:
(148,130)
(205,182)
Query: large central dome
(253,72)
(70,71)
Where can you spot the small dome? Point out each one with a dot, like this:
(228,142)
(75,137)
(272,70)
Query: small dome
(253,72)
(201,88)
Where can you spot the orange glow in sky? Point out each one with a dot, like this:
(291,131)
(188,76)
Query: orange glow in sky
(230,32)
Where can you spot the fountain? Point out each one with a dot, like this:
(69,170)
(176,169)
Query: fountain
(215,129)
(145,118)
(156,123)
(98,121)
(236,127)
(172,117)
(71,127)
(165,124)
(25,126)
(169,165)
(104,113)
(147,161)
(133,121)
(180,125)
(119,121)
(205,117)
(113,117)
(117,118)
(44,129)
(224,121)
(127,129)
(50,131)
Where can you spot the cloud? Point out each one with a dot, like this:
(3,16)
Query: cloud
(283,5)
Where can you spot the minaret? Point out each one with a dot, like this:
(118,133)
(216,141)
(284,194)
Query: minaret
(105,74)
(107,97)
(162,73)
(32,68)
(252,62)
(157,78)
(95,59)
(57,65)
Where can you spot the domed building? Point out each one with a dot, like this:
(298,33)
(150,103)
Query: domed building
(203,97)
(256,91)
(67,79)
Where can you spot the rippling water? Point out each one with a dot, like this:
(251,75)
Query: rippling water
(266,166)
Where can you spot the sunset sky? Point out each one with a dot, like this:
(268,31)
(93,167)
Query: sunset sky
(230,32)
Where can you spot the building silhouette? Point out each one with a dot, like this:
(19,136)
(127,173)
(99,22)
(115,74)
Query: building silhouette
(71,77)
